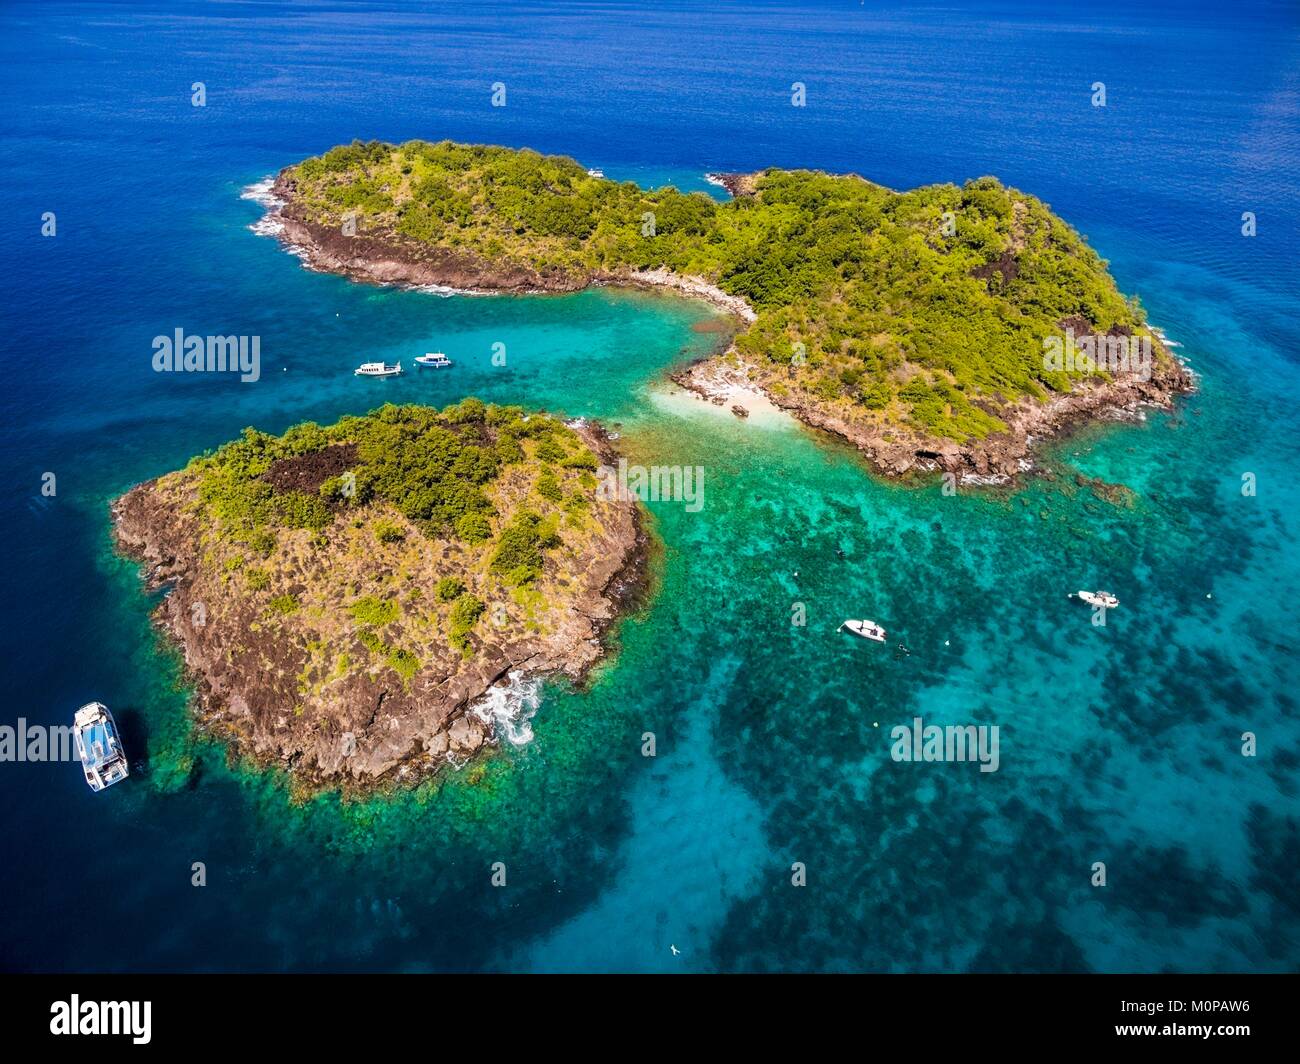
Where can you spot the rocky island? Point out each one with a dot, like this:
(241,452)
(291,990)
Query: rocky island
(346,595)
(946,327)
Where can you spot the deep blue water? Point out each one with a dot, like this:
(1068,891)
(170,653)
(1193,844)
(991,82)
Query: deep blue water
(1120,745)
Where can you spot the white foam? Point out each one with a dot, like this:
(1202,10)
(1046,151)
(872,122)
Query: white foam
(269,224)
(444,290)
(507,708)
(985,479)
(1163,336)
(260,192)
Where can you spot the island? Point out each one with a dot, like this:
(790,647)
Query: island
(345,596)
(942,328)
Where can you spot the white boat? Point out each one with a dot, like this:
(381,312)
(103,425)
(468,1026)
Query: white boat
(595,172)
(378,369)
(433,359)
(866,629)
(99,746)
(1098,598)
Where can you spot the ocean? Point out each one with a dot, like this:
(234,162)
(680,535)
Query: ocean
(1119,745)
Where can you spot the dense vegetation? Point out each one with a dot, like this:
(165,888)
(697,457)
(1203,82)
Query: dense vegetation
(432,466)
(927,307)
(440,471)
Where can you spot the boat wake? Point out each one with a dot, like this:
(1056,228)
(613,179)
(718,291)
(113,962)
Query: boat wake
(509,707)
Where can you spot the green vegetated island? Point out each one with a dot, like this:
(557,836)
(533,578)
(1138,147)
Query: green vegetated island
(346,595)
(913,324)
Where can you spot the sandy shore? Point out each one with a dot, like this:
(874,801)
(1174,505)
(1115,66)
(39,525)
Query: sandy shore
(897,451)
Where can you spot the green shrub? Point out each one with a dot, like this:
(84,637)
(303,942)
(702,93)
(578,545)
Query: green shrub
(300,510)
(449,588)
(283,605)
(374,612)
(464,615)
(389,531)
(548,487)
(551,450)
(474,528)
(404,663)
(876,396)
(583,459)
(523,574)
(518,548)
(261,542)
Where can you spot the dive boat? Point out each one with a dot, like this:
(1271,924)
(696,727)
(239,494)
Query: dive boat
(99,746)
(378,369)
(595,171)
(433,359)
(1098,598)
(866,629)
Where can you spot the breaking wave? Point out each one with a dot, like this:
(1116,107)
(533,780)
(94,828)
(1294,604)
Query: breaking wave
(509,707)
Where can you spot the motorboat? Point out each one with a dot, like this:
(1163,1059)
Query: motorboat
(866,629)
(433,359)
(99,746)
(1098,598)
(378,369)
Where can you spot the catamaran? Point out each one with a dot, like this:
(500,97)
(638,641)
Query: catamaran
(1098,598)
(433,359)
(866,629)
(378,369)
(99,746)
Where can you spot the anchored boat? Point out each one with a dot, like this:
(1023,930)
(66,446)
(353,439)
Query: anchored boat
(378,369)
(99,746)
(1098,598)
(434,360)
(866,629)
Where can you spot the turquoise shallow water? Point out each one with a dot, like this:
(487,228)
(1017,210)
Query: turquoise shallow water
(1119,744)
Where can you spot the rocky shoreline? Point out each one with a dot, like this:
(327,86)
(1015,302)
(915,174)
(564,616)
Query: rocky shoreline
(393,260)
(367,730)
(896,451)
(891,450)
(736,184)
